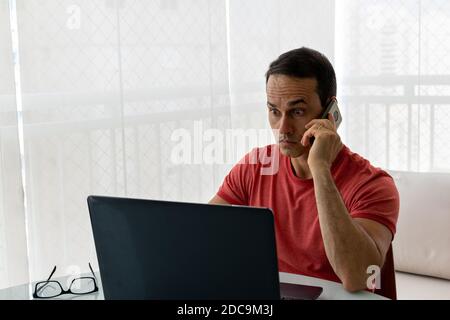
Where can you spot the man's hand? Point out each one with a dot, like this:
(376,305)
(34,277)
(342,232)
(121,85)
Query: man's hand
(327,143)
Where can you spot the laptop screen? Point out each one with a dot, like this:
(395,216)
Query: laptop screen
(149,249)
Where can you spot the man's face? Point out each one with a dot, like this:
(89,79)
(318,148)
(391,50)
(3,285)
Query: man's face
(292,103)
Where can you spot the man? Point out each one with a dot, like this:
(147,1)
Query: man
(335,214)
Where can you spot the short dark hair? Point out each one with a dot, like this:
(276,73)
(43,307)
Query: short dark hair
(307,63)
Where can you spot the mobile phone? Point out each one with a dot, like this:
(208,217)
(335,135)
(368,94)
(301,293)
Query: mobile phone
(332,108)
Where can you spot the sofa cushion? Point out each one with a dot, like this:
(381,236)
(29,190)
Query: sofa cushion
(413,287)
(421,244)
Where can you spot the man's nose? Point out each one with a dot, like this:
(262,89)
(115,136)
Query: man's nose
(285,126)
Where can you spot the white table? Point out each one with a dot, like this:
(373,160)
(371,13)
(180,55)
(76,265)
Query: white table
(331,290)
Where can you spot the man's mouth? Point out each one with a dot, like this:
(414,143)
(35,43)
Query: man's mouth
(288,141)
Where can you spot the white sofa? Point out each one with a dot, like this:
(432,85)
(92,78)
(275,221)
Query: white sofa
(422,244)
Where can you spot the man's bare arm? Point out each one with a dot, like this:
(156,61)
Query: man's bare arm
(351,245)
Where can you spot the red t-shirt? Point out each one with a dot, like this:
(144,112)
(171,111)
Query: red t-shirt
(367,192)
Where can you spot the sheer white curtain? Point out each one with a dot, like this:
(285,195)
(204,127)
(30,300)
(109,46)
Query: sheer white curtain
(13,249)
(105,84)
(393,67)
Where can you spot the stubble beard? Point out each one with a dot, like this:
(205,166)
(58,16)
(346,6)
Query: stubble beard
(293,152)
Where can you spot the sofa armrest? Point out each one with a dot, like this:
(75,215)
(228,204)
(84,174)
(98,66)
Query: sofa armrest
(421,244)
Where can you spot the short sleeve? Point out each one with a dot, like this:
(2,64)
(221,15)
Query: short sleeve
(236,186)
(378,200)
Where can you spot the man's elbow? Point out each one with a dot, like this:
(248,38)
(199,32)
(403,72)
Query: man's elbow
(353,284)
(357,279)
(353,287)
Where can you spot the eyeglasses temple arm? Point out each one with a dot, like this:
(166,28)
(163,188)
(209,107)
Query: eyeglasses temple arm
(51,274)
(90,267)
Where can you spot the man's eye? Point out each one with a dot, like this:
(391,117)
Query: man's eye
(298,112)
(274,111)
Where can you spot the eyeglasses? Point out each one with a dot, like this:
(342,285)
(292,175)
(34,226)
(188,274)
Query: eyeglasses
(52,288)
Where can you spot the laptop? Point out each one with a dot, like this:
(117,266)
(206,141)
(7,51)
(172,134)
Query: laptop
(163,250)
